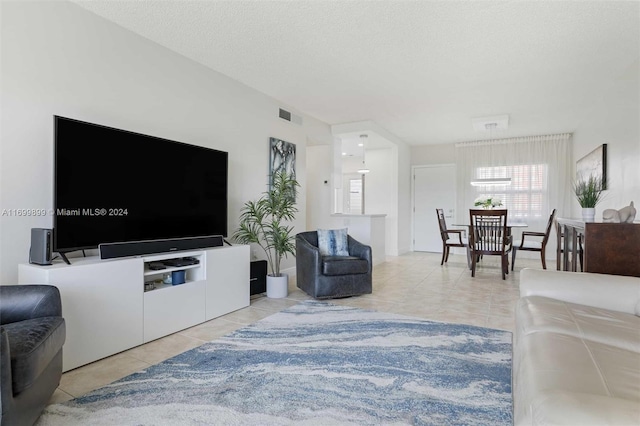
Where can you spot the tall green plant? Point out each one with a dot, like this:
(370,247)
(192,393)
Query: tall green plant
(588,192)
(265,221)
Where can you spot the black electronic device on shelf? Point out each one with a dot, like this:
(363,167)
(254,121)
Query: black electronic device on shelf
(157,266)
(184,261)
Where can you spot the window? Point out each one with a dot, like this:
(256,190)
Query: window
(525,196)
(540,168)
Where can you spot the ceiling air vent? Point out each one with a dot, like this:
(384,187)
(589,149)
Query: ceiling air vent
(285,115)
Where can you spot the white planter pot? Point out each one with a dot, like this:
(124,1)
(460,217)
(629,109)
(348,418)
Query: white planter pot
(588,214)
(277,287)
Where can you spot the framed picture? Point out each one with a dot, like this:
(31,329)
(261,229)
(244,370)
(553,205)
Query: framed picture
(593,164)
(282,157)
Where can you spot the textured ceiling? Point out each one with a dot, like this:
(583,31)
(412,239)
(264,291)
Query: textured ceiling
(420,69)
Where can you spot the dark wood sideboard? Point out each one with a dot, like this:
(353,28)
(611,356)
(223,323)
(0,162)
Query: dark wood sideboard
(609,248)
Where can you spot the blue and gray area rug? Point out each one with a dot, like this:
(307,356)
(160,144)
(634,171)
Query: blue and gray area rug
(316,364)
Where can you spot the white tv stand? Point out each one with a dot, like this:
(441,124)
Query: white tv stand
(107,309)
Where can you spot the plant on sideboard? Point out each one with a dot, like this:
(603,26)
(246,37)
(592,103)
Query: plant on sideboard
(588,191)
(266,221)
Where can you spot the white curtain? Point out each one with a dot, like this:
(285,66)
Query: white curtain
(540,168)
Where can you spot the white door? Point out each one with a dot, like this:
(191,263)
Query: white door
(434,187)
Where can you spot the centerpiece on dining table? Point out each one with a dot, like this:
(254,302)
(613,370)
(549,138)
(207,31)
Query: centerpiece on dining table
(487,202)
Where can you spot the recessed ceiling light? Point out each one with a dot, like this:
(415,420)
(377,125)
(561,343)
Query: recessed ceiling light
(360,144)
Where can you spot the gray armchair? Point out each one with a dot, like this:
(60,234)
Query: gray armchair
(32,332)
(325,277)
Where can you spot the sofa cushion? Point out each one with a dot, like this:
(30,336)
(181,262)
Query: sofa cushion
(547,364)
(618,329)
(333,242)
(344,265)
(33,344)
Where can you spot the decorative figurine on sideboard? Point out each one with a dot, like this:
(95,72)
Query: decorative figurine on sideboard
(624,215)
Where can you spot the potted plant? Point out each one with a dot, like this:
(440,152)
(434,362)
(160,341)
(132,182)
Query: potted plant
(589,193)
(265,222)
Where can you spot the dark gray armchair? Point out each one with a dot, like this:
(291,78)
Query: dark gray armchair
(32,332)
(325,277)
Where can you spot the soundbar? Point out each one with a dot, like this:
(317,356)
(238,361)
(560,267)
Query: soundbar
(137,248)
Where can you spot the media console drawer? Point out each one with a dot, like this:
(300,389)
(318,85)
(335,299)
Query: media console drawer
(171,309)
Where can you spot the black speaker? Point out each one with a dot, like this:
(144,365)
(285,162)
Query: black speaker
(137,248)
(41,243)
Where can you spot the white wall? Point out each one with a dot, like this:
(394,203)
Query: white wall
(425,155)
(404,198)
(59,59)
(381,195)
(319,161)
(378,183)
(615,120)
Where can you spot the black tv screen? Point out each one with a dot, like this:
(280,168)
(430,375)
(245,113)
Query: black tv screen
(114,185)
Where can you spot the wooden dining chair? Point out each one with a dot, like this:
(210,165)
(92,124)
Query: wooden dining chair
(489,235)
(446,234)
(560,249)
(533,243)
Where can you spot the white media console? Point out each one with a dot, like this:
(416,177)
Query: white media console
(107,309)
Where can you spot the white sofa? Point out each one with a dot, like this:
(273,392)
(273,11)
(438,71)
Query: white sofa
(576,349)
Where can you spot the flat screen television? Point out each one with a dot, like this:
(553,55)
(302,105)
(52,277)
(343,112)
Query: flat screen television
(113,186)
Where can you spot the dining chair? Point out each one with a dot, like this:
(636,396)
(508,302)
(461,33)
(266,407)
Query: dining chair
(489,235)
(446,235)
(532,243)
(560,249)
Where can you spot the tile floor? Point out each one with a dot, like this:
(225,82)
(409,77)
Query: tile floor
(413,284)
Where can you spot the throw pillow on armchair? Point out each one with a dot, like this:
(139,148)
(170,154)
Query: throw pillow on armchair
(333,242)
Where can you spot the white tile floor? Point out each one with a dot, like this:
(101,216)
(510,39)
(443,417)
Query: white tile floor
(413,284)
